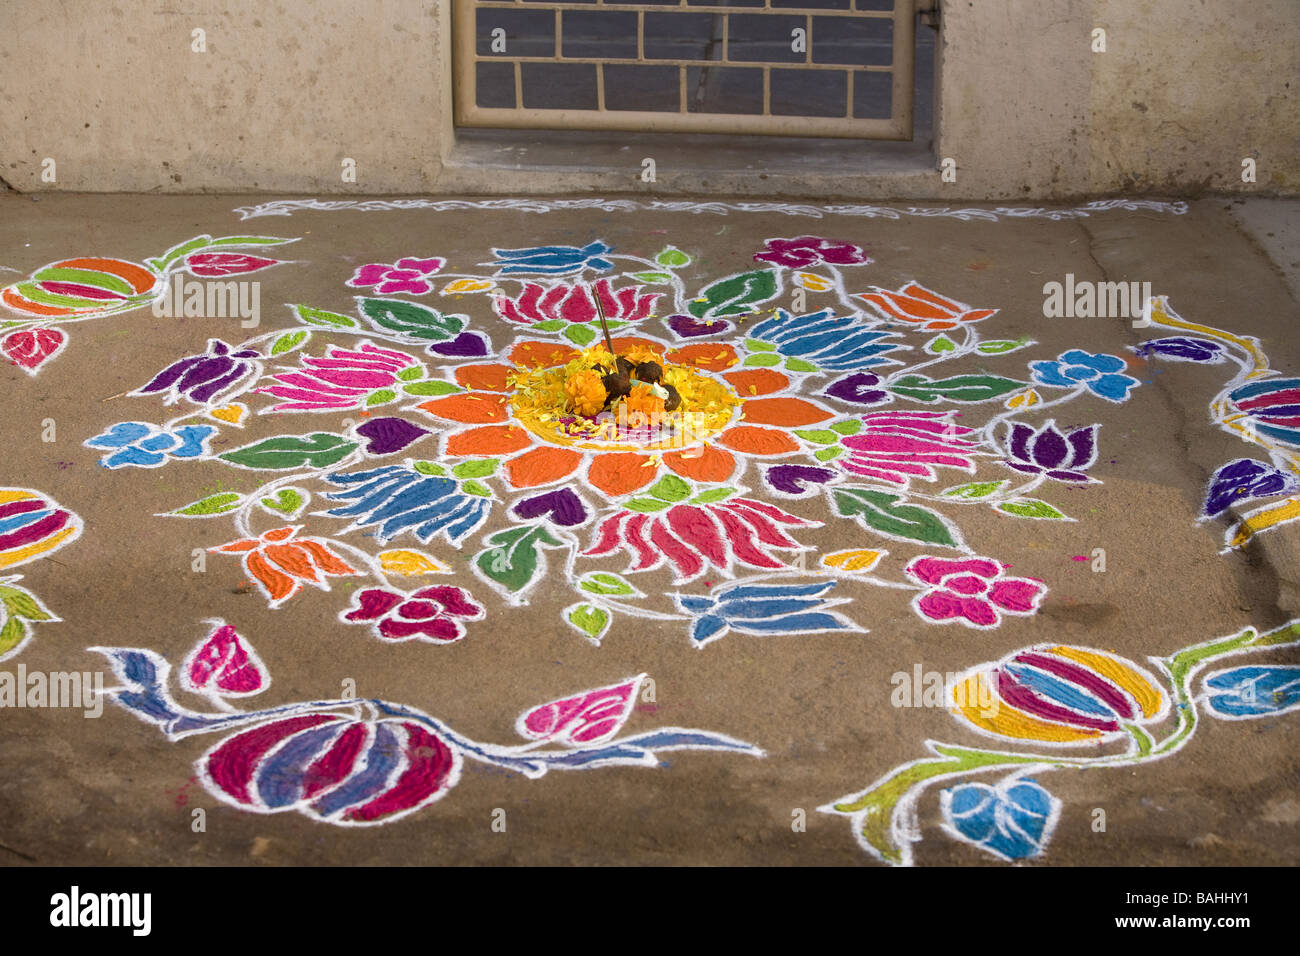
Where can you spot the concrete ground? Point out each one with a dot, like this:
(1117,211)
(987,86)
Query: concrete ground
(1192,763)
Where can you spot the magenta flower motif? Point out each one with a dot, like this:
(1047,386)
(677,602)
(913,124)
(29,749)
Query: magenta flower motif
(810,250)
(1047,450)
(407,275)
(432,614)
(340,380)
(898,446)
(974,591)
(574,303)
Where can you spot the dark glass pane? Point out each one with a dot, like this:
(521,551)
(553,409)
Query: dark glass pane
(681,36)
(603,34)
(494,85)
(528,32)
(724,89)
(873,95)
(809,93)
(654,88)
(770,38)
(559,86)
(865,42)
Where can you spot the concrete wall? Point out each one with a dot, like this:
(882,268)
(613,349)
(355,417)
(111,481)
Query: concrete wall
(112,92)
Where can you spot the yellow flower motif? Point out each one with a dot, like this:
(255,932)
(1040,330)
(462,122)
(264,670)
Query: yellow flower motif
(461,286)
(586,392)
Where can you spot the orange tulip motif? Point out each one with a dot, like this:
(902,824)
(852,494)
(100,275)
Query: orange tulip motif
(282,564)
(918,306)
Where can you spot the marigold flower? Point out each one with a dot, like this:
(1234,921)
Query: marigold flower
(586,392)
(643,399)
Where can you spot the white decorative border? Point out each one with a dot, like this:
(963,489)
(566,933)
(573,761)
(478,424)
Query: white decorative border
(287,207)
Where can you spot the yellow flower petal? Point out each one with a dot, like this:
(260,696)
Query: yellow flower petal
(410,563)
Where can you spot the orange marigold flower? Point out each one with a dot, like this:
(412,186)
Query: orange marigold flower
(586,391)
(643,399)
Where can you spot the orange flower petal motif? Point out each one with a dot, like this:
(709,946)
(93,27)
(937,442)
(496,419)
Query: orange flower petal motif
(278,585)
(621,473)
(542,354)
(916,304)
(280,534)
(487,378)
(474,408)
(235,547)
(488,440)
(753,440)
(710,357)
(292,560)
(759,381)
(541,466)
(702,464)
(786,412)
(327,560)
(624,343)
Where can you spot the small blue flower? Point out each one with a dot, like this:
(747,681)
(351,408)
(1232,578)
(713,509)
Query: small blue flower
(764,609)
(1098,371)
(1012,821)
(398,499)
(1254,691)
(143,445)
(553,260)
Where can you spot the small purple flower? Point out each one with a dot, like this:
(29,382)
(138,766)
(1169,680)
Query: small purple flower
(1241,480)
(858,389)
(808,251)
(1182,349)
(1047,450)
(200,377)
(406,275)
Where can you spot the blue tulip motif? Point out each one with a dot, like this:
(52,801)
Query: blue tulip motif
(1099,372)
(763,609)
(553,260)
(835,343)
(141,445)
(398,498)
(1240,693)
(1012,821)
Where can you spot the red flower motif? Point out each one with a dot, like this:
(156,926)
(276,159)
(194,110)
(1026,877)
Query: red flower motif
(225,665)
(974,591)
(212,264)
(31,348)
(432,614)
(808,251)
(574,303)
(917,305)
(282,565)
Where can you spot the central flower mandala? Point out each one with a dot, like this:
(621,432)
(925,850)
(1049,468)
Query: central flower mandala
(521,412)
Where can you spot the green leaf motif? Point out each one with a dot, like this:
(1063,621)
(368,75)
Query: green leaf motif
(287,501)
(1000,346)
(758,345)
(652,277)
(940,344)
(735,295)
(799,365)
(409,374)
(381,397)
(211,505)
(12,634)
(290,341)
(819,436)
(646,505)
(476,468)
(430,388)
(429,468)
(673,258)
(881,511)
(319,450)
(850,426)
(1031,508)
(590,620)
(671,488)
(21,604)
(475,488)
(959,388)
(580,334)
(411,318)
(713,495)
(974,489)
(550,325)
(827,454)
(605,583)
(766,360)
(322,317)
(515,561)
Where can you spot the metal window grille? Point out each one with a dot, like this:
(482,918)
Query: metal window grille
(841,68)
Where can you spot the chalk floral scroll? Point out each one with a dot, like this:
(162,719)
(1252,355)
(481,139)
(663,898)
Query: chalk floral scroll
(92,287)
(1259,405)
(353,762)
(851,401)
(1062,697)
(32,526)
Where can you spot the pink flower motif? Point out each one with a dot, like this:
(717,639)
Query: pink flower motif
(574,303)
(898,446)
(340,380)
(212,264)
(224,665)
(406,275)
(432,614)
(972,590)
(590,718)
(808,251)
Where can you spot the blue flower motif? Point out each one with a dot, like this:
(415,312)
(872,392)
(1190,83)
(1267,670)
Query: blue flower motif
(1012,821)
(1097,370)
(397,498)
(143,445)
(553,260)
(834,343)
(764,609)
(1182,348)
(1255,691)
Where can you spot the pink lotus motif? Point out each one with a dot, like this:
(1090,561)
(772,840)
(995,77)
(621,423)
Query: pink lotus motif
(898,446)
(974,591)
(584,720)
(406,275)
(574,303)
(342,379)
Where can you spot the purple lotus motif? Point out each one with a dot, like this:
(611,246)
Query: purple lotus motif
(860,388)
(1182,348)
(808,251)
(406,275)
(200,377)
(1242,480)
(1051,452)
